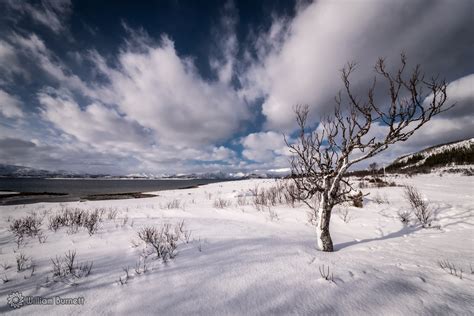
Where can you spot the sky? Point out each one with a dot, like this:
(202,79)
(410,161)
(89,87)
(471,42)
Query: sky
(164,87)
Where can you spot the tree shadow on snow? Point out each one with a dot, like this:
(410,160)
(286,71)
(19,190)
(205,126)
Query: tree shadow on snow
(406,230)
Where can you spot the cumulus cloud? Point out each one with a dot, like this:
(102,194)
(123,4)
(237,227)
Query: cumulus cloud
(165,92)
(95,124)
(10,106)
(302,65)
(265,147)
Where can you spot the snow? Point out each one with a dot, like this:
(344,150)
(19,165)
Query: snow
(465,144)
(241,261)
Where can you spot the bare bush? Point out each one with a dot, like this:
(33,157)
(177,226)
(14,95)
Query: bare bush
(325,273)
(112,213)
(380,183)
(28,226)
(451,268)
(404,216)
(164,240)
(419,206)
(283,192)
(242,200)
(381,199)
(22,262)
(75,218)
(67,269)
(91,222)
(141,265)
(222,203)
(173,204)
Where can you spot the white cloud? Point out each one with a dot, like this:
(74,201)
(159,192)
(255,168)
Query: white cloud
(223,62)
(164,92)
(9,63)
(265,147)
(96,124)
(10,106)
(52,14)
(35,49)
(301,66)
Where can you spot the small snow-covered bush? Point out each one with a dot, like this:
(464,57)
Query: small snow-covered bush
(221,203)
(67,267)
(404,216)
(326,274)
(358,200)
(173,204)
(112,213)
(22,262)
(283,192)
(419,206)
(163,240)
(28,226)
(76,218)
(451,268)
(242,200)
(381,199)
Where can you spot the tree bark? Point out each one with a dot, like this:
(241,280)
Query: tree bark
(322,228)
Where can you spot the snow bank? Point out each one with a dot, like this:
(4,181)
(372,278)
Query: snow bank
(243,261)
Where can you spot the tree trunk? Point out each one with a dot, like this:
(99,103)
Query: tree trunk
(322,228)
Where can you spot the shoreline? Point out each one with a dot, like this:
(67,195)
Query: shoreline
(21,198)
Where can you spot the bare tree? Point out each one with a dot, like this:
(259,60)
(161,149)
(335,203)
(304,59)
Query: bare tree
(322,156)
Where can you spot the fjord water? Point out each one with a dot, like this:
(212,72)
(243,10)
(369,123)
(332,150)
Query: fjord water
(77,188)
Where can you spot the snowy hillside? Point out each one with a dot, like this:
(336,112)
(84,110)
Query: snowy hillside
(235,259)
(459,153)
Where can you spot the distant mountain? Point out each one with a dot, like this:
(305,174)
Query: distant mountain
(256,174)
(458,153)
(13,171)
(21,171)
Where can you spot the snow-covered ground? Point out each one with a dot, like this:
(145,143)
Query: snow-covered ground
(242,261)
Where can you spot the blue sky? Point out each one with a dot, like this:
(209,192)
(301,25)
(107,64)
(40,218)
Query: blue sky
(196,86)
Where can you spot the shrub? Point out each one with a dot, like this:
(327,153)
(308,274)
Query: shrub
(451,268)
(242,200)
(221,203)
(76,218)
(22,262)
(284,192)
(112,213)
(419,206)
(381,199)
(325,274)
(174,204)
(66,268)
(358,200)
(163,240)
(404,216)
(29,226)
